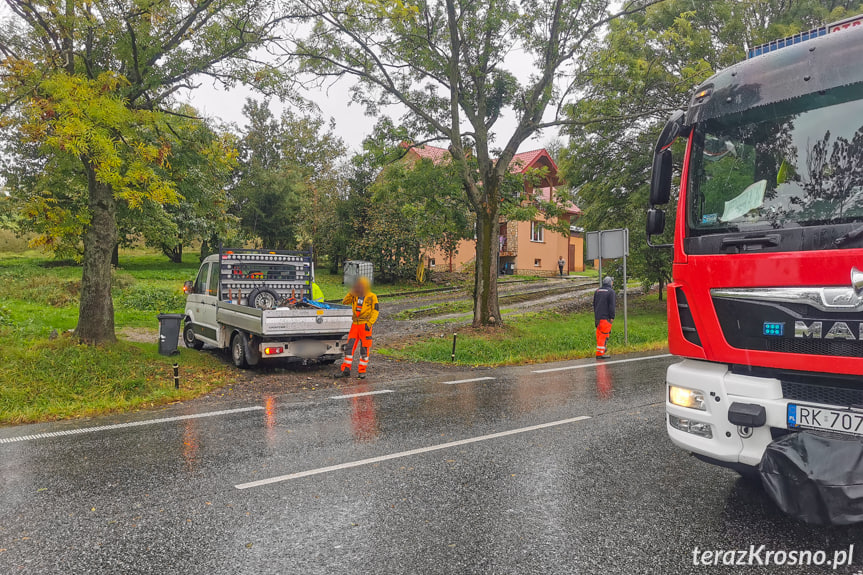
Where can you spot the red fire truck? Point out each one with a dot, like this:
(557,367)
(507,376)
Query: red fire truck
(766,304)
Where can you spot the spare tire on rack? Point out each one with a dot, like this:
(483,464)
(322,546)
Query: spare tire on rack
(263,298)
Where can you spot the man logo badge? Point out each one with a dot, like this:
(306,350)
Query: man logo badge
(815,330)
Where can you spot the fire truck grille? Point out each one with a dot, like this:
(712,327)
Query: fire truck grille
(823,394)
(816,347)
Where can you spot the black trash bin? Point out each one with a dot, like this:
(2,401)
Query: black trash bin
(169,332)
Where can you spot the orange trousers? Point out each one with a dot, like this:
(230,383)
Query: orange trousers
(360,337)
(603,332)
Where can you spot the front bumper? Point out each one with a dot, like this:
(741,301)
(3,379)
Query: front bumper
(729,443)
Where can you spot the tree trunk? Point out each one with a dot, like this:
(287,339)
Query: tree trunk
(115,255)
(486,310)
(174,253)
(96,311)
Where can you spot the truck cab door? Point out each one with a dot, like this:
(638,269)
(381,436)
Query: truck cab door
(209,298)
(199,309)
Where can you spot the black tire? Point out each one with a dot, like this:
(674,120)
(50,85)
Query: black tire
(238,351)
(263,298)
(189,338)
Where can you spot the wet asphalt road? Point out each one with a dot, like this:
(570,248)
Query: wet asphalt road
(608,494)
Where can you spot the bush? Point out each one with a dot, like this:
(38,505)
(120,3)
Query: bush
(151,299)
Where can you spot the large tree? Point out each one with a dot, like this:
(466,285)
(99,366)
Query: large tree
(446,62)
(290,169)
(92,83)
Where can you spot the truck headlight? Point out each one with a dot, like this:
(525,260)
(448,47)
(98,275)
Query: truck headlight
(698,428)
(684,397)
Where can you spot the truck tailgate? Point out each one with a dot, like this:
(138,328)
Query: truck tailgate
(287,321)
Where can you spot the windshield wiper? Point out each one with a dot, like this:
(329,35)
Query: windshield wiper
(849,237)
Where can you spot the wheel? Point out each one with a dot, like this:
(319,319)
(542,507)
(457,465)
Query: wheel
(189,338)
(238,351)
(263,298)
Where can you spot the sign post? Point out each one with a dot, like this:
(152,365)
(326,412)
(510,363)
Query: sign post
(611,244)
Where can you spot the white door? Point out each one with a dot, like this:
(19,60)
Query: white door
(209,328)
(199,308)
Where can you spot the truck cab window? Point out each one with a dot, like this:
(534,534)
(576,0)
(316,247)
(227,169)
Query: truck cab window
(777,172)
(201,280)
(213,284)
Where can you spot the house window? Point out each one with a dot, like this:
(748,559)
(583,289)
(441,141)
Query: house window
(537,263)
(537,232)
(431,262)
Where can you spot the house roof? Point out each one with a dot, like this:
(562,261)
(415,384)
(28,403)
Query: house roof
(523,161)
(433,153)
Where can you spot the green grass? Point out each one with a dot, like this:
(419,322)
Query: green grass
(46,379)
(61,379)
(538,337)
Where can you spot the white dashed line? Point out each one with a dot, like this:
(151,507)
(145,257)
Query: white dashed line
(381,458)
(603,362)
(81,430)
(468,380)
(361,394)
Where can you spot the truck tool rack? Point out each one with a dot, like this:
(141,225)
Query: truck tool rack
(242,270)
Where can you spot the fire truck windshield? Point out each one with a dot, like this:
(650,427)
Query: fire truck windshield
(772,171)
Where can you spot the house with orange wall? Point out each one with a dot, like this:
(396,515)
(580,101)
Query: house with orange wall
(526,248)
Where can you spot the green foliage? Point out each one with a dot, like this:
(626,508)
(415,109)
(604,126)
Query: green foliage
(149,298)
(288,179)
(87,93)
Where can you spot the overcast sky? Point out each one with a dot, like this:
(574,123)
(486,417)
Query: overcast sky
(352,124)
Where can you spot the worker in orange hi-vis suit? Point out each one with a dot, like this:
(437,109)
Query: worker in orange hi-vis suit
(366,310)
(604,302)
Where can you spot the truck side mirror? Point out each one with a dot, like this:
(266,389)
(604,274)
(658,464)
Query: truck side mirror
(187,287)
(660,183)
(655,222)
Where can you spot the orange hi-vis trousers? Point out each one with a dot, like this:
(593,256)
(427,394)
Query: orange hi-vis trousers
(603,332)
(359,336)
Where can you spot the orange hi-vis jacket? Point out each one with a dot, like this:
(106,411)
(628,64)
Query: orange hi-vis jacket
(366,312)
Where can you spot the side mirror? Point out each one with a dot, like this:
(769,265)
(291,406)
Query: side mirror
(673,129)
(187,287)
(655,222)
(660,183)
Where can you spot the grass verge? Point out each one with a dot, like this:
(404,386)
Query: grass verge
(56,379)
(542,337)
(43,378)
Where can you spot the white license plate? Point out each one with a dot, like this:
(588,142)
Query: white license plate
(838,420)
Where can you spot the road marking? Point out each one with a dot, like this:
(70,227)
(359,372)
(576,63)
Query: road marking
(586,365)
(81,430)
(361,394)
(468,380)
(400,454)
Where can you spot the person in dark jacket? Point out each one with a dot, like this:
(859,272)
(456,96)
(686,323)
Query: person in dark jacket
(604,302)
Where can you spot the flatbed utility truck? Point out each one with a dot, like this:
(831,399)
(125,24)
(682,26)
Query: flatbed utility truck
(766,303)
(258,304)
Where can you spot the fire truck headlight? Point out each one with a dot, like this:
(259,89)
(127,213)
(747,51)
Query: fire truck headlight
(684,397)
